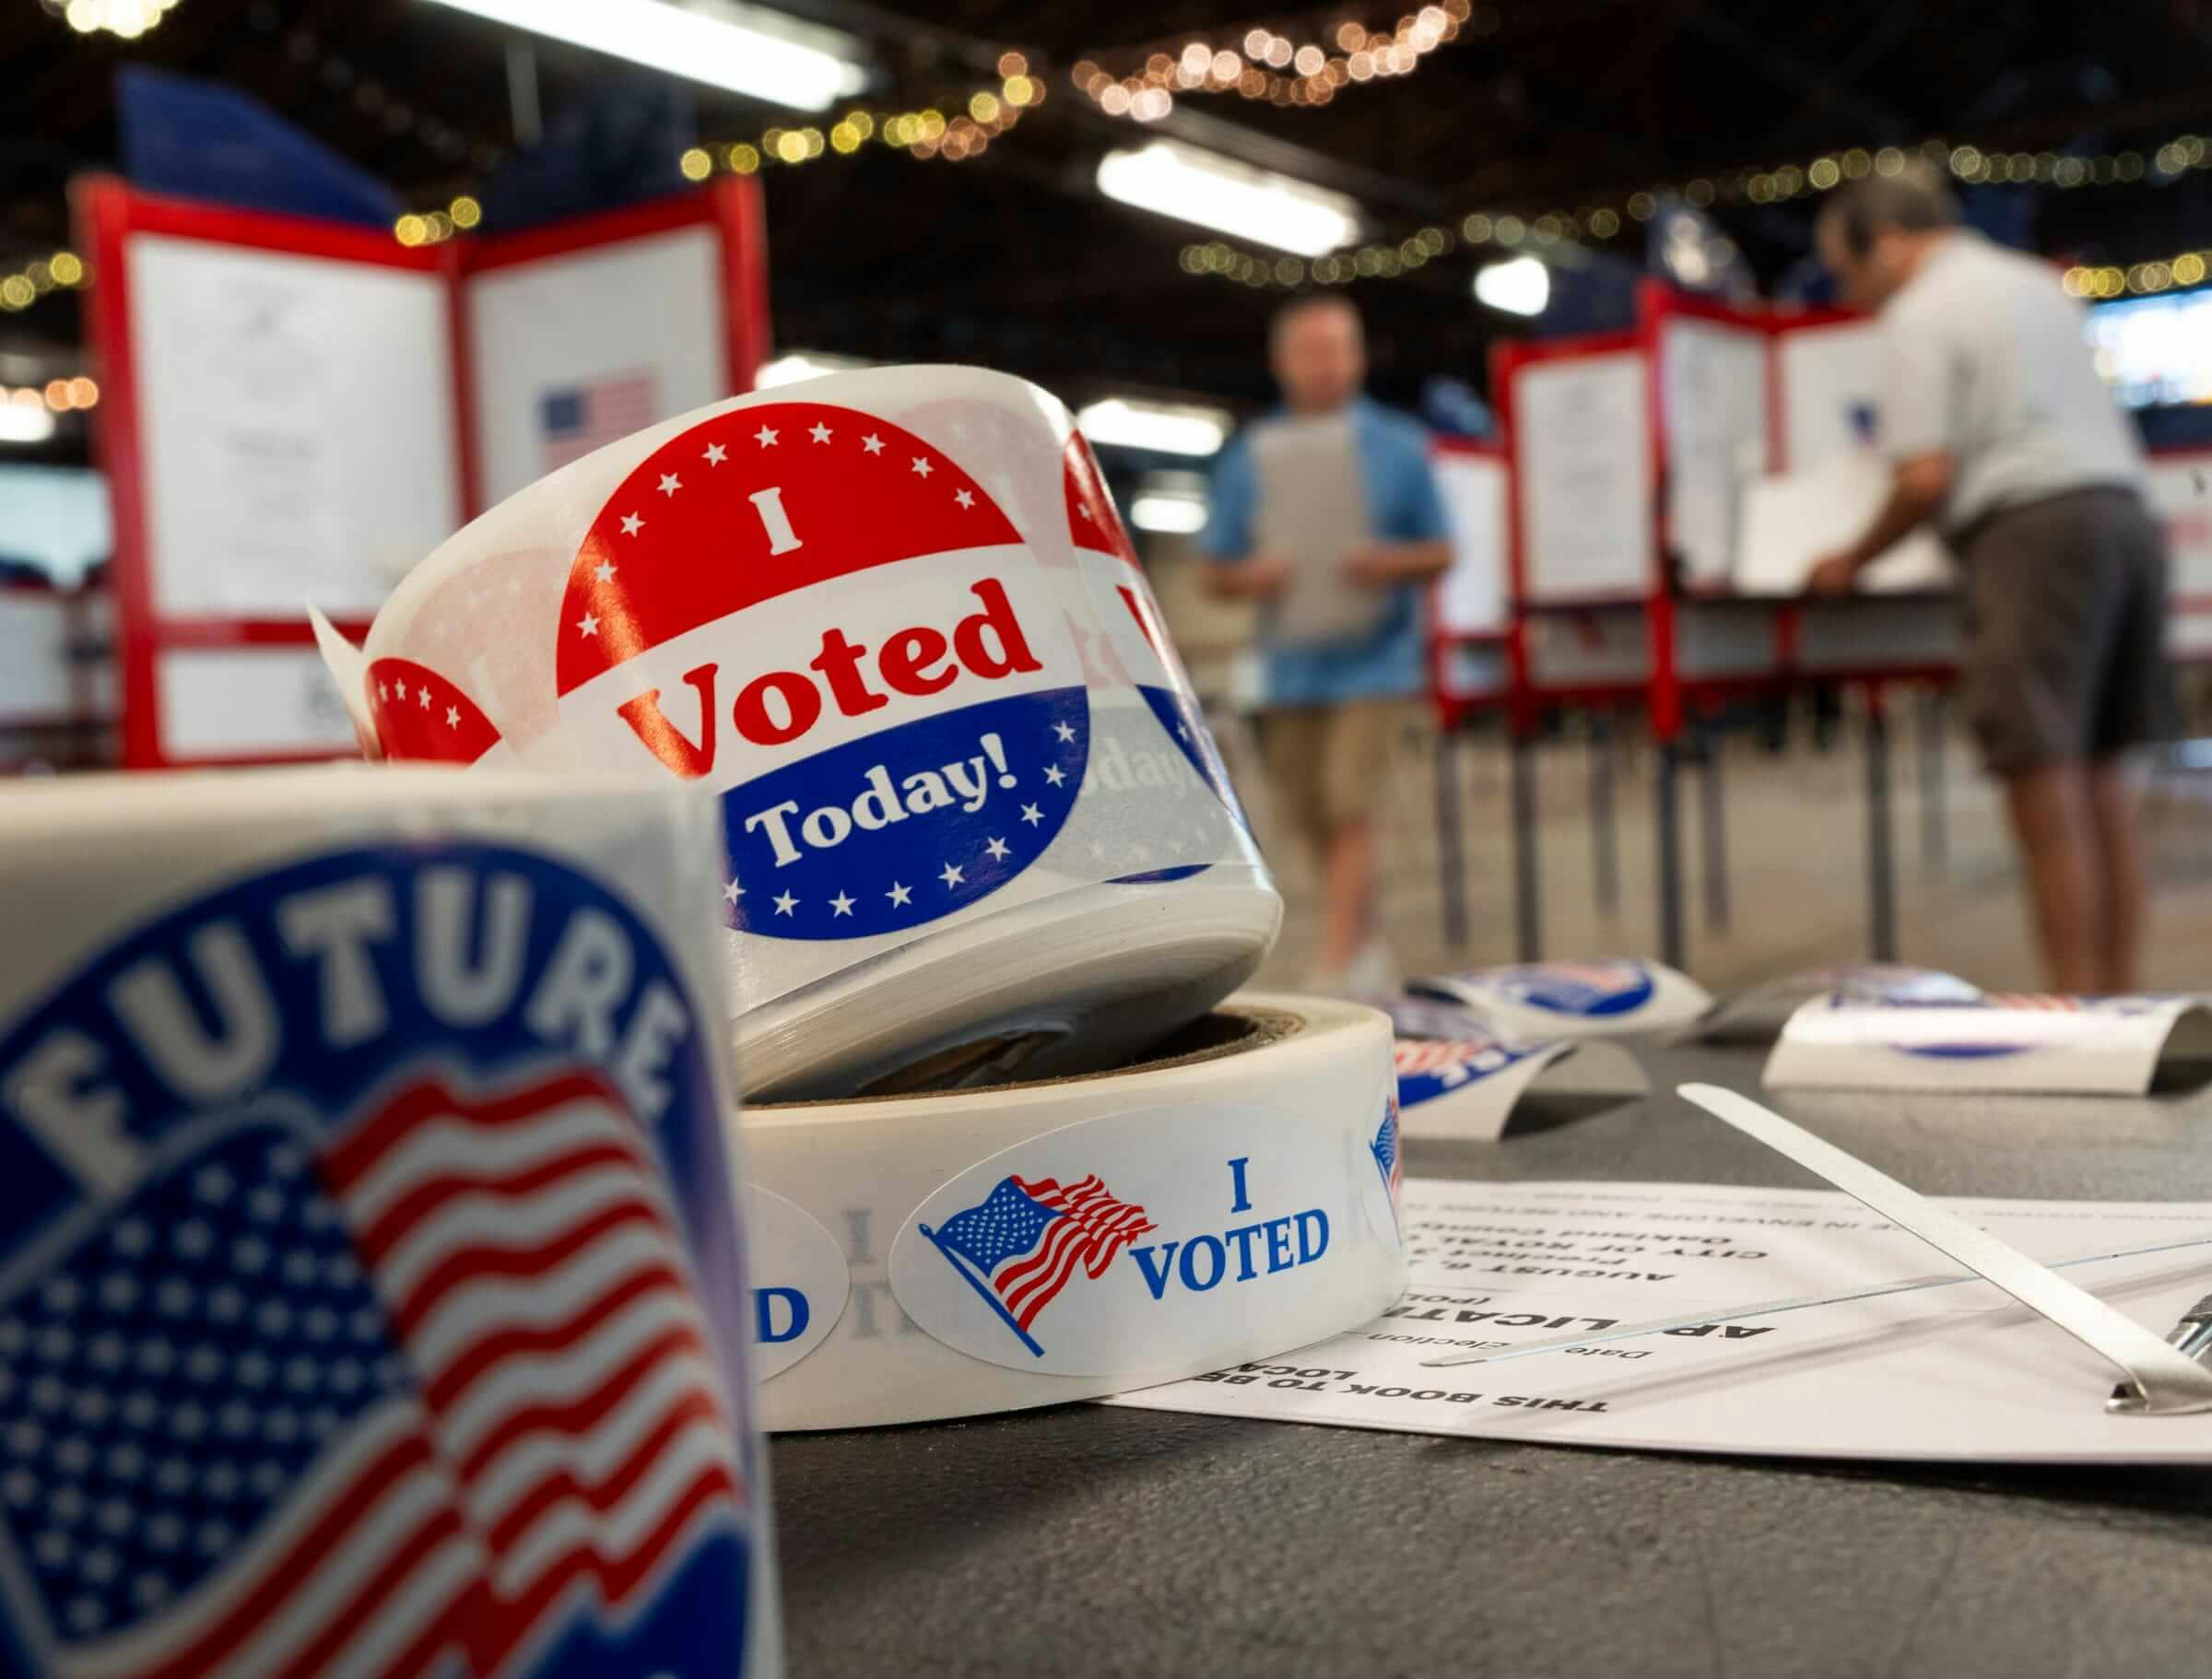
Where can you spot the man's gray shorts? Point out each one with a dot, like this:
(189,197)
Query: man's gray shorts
(2064,614)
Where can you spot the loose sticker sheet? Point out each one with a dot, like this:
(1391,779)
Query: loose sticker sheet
(1957,1373)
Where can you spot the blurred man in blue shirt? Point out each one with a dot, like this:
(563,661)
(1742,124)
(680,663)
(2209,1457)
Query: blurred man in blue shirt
(1332,704)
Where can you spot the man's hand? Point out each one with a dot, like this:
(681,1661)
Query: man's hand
(1836,573)
(1381,564)
(1257,577)
(1262,577)
(1376,566)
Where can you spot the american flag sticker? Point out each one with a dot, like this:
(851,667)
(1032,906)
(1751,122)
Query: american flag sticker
(574,420)
(367,1333)
(1129,1243)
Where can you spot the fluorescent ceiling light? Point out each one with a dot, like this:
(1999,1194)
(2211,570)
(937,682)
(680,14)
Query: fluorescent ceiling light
(1521,286)
(1170,428)
(795,365)
(24,423)
(760,54)
(1201,187)
(1159,510)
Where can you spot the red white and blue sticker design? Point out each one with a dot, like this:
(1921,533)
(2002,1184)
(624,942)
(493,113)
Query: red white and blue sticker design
(420,715)
(368,1288)
(1135,649)
(1587,991)
(830,622)
(1432,1069)
(1137,1242)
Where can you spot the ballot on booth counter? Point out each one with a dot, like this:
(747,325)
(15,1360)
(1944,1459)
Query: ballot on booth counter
(1956,1373)
(1790,520)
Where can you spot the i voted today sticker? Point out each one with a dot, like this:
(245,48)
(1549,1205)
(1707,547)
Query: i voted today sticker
(1114,1245)
(832,624)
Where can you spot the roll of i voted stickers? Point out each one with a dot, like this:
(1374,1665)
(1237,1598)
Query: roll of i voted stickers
(970,1252)
(1473,1090)
(370,1300)
(1757,1016)
(1535,1001)
(2029,1044)
(892,622)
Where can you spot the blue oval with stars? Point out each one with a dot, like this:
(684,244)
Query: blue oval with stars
(907,826)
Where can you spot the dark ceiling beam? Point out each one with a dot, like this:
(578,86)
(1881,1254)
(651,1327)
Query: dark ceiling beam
(1883,33)
(1819,86)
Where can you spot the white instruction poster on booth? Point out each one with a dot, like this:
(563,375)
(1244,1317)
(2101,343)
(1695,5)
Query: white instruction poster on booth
(1958,1373)
(1582,465)
(296,419)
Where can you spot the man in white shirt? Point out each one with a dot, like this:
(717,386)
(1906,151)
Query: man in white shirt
(2001,434)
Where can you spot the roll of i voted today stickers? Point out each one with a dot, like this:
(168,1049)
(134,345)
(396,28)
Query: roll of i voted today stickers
(370,1298)
(975,823)
(1532,1002)
(964,1252)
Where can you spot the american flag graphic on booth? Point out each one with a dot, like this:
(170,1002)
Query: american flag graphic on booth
(572,421)
(396,1366)
(1021,1245)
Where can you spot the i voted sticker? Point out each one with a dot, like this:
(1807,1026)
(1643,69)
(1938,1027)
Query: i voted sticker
(801,1282)
(1589,991)
(832,624)
(1137,647)
(1115,1246)
(365,1288)
(420,715)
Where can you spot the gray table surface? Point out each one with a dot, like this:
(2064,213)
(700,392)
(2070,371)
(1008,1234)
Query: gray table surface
(1083,1540)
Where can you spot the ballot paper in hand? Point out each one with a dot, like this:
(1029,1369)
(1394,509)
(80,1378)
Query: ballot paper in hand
(1312,511)
(1959,1374)
(1790,520)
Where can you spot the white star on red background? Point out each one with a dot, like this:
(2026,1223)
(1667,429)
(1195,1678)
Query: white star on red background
(670,484)
(765,436)
(922,465)
(820,433)
(587,625)
(965,498)
(871,443)
(603,571)
(716,455)
(453,717)
(632,524)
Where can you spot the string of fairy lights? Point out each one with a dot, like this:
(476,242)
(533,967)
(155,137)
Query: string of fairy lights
(63,271)
(924,133)
(1598,221)
(1263,65)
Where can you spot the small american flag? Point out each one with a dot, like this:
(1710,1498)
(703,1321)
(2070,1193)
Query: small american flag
(400,1404)
(575,419)
(1384,1147)
(1026,1241)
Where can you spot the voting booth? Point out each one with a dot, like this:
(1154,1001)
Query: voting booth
(296,411)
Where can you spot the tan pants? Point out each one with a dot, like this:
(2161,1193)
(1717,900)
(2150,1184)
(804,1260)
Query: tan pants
(1326,764)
